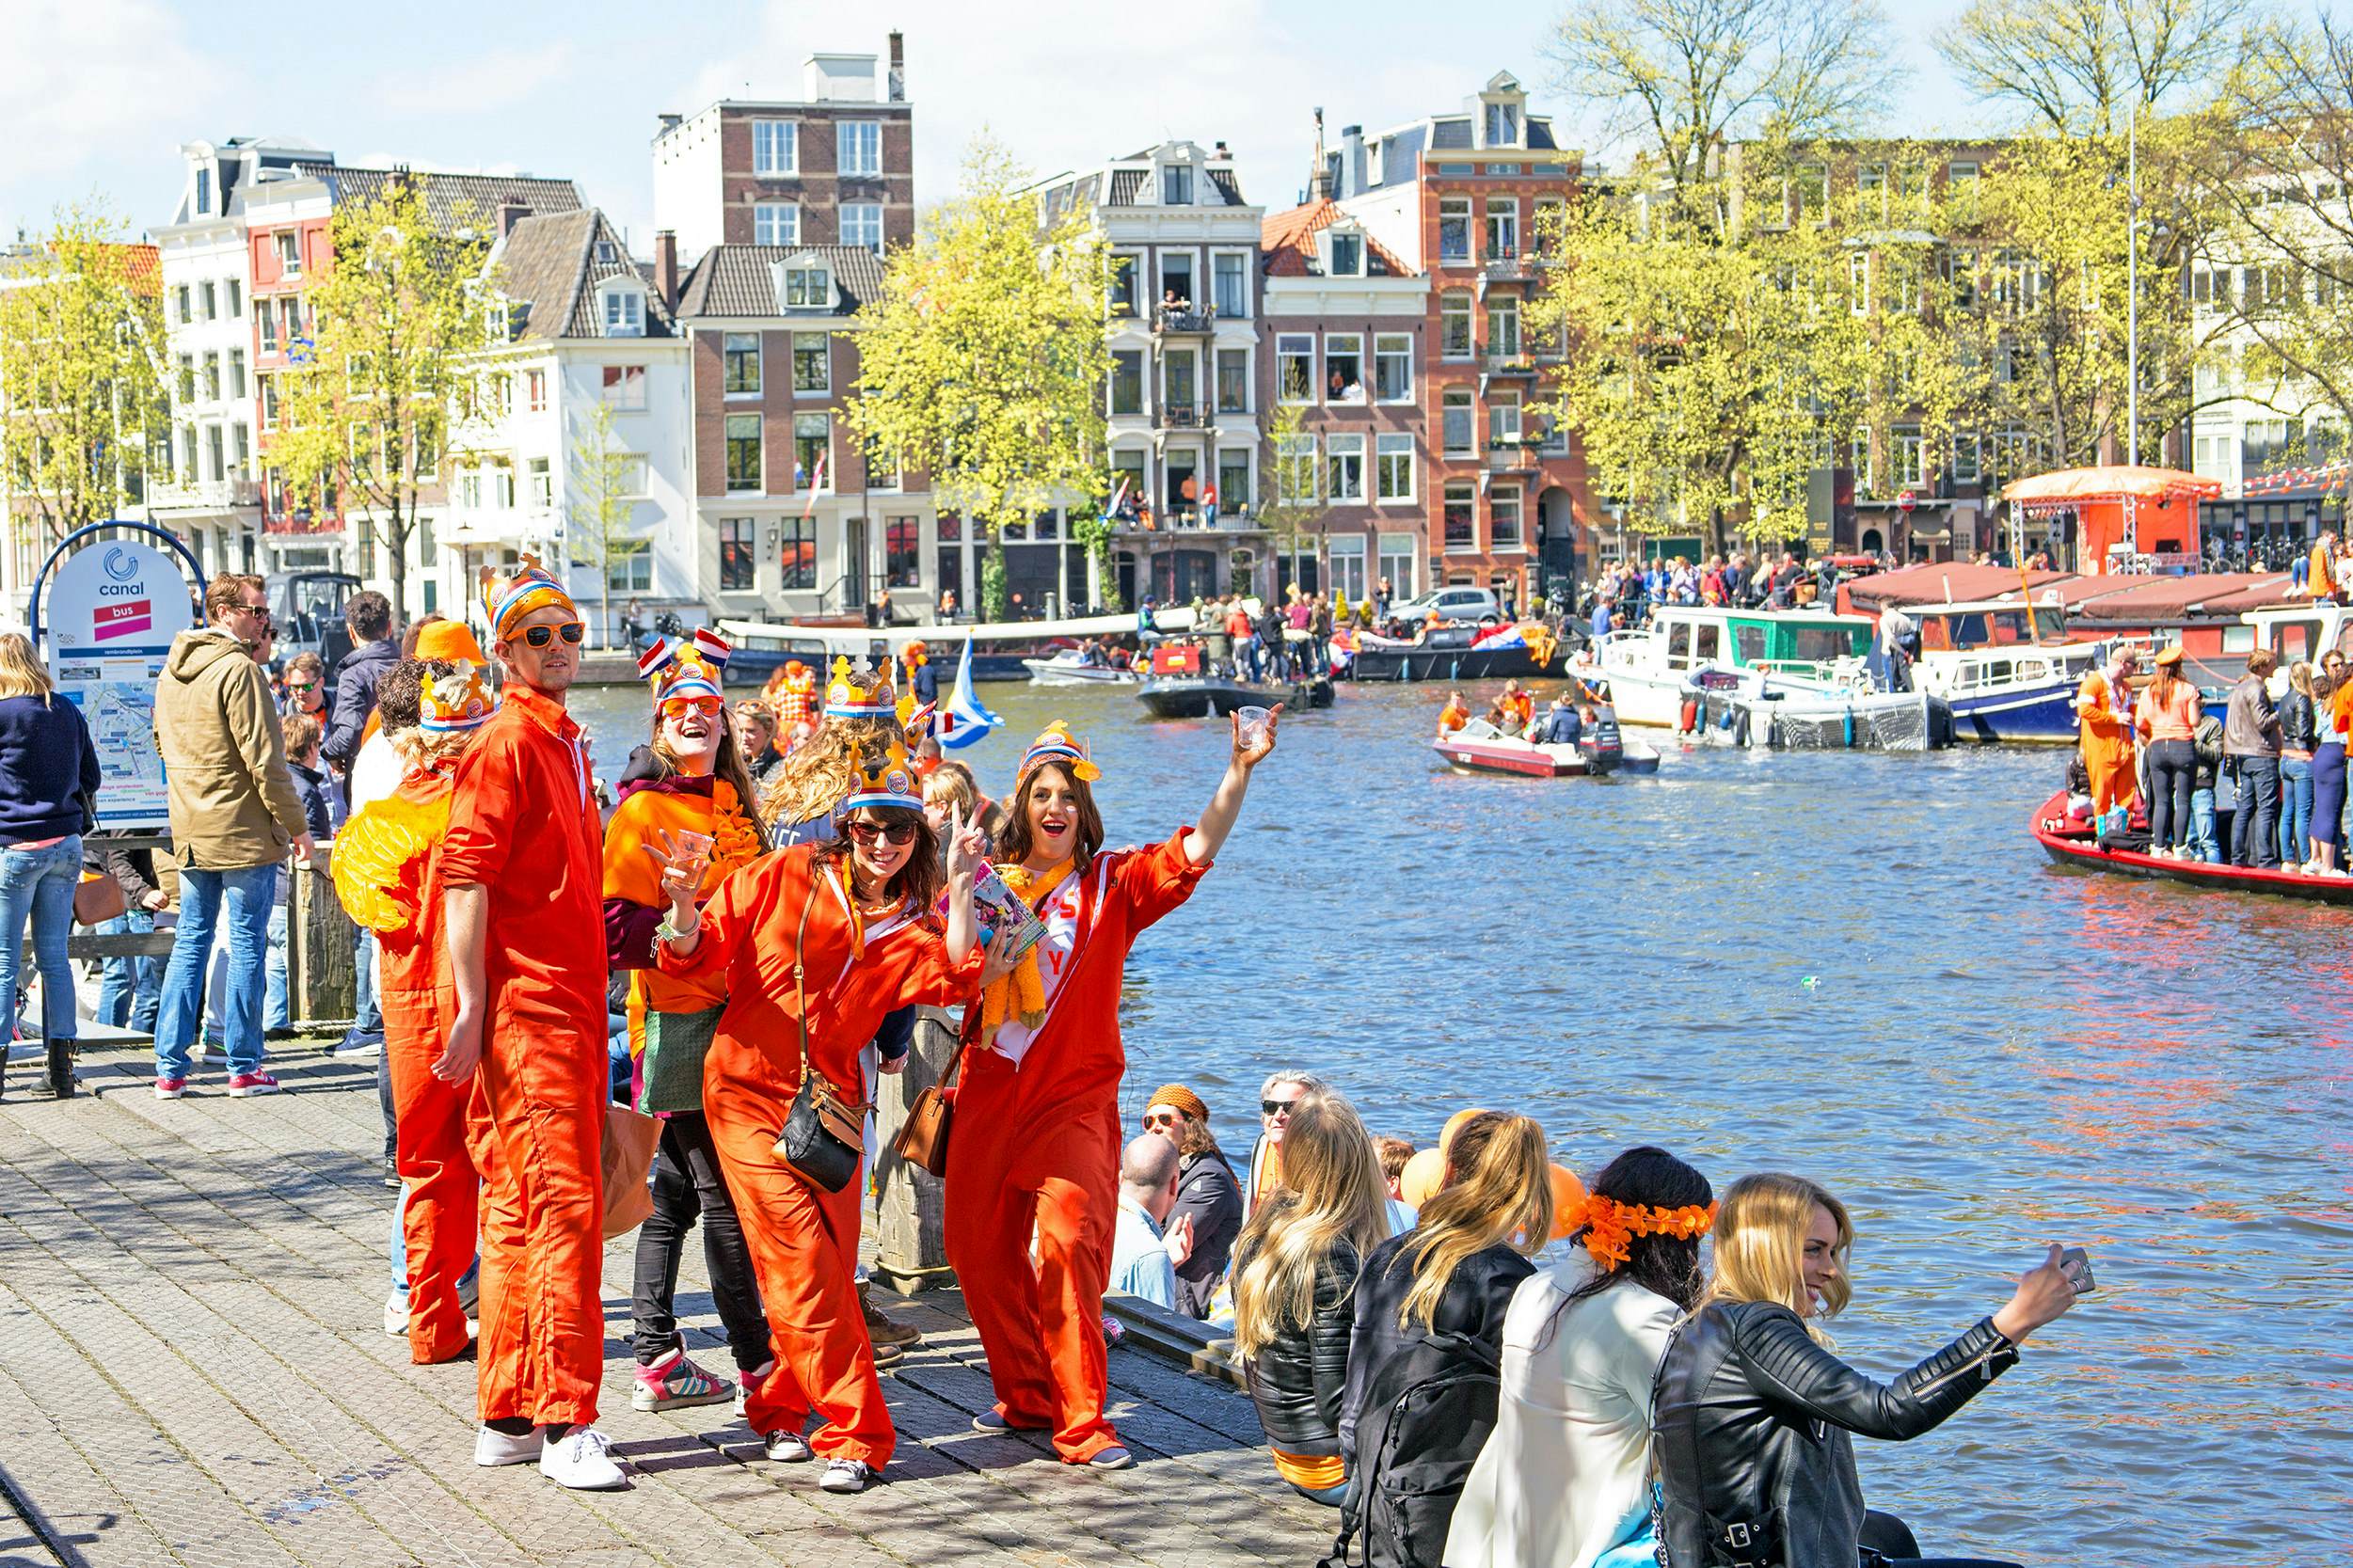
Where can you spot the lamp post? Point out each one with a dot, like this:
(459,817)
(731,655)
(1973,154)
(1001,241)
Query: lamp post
(2132,284)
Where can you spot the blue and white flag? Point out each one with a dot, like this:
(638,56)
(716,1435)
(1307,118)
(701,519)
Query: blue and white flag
(964,721)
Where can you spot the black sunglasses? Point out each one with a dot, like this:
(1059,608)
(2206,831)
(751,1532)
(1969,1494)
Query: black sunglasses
(539,637)
(1271,1106)
(897,833)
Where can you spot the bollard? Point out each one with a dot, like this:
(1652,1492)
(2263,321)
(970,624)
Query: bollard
(321,982)
(910,1230)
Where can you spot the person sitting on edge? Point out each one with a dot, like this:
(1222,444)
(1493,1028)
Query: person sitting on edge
(1209,1197)
(1276,1096)
(1143,1244)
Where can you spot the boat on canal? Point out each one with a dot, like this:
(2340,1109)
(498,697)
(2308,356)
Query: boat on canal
(1180,684)
(1479,747)
(1689,649)
(2008,670)
(2069,842)
(1069,666)
(1834,719)
(1455,653)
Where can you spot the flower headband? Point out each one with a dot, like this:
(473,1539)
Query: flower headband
(1611,1227)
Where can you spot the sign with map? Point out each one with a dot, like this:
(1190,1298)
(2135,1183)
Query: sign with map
(108,621)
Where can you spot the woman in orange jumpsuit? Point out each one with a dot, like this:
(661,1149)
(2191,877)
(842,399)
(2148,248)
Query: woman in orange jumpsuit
(386,877)
(2106,737)
(1037,1144)
(847,923)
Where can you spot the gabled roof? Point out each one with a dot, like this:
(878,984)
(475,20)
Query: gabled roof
(1287,242)
(739,279)
(452,199)
(550,265)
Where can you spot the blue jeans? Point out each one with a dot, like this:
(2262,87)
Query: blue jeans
(367,1020)
(2295,810)
(40,884)
(2202,844)
(398,1250)
(242,900)
(129,989)
(276,1013)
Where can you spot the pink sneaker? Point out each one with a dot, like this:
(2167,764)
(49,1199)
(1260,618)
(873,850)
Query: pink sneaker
(675,1381)
(170,1088)
(245,1083)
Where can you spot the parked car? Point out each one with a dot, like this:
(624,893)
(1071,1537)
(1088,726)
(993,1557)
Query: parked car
(1477,604)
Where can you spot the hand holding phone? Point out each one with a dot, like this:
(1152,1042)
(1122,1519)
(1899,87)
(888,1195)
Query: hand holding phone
(2075,1263)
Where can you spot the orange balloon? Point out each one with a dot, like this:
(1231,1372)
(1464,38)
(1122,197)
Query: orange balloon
(1453,1125)
(1569,1202)
(1422,1176)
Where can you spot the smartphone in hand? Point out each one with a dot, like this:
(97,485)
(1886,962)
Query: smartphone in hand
(2075,1263)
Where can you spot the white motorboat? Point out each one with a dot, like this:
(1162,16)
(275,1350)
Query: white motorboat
(1479,747)
(1069,667)
(1689,649)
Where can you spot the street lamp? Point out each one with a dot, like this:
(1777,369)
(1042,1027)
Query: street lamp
(2132,284)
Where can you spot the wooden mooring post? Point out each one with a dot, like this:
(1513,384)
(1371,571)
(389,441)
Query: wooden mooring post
(910,1232)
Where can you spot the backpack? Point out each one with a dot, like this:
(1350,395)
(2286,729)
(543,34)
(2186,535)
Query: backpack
(1427,1412)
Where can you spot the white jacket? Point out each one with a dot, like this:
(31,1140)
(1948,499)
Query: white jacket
(1566,1470)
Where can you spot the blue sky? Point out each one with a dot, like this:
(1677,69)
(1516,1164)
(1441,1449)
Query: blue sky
(97,95)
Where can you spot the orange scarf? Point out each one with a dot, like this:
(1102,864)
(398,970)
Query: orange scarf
(1021,994)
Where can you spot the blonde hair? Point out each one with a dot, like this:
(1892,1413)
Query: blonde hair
(953,781)
(1332,1193)
(1760,1245)
(1499,1194)
(20,674)
(2300,677)
(423,748)
(818,774)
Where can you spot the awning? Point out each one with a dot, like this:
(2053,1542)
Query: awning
(2110,482)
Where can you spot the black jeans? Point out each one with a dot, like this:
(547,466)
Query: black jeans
(2173,775)
(2257,813)
(688,1182)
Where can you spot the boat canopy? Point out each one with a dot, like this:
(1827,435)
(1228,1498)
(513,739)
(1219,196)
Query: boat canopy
(2112,481)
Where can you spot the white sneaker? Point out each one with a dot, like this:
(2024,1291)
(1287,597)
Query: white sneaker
(845,1475)
(786,1447)
(396,1314)
(493,1448)
(581,1459)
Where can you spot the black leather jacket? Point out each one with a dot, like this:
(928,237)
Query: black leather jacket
(1296,1379)
(1472,1306)
(1752,1422)
(2298,728)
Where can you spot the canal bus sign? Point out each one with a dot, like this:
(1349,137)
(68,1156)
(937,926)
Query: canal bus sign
(107,620)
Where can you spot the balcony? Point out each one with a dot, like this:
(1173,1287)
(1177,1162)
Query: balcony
(1185,416)
(1504,265)
(1181,319)
(1511,456)
(301,524)
(1132,520)
(206,494)
(1511,364)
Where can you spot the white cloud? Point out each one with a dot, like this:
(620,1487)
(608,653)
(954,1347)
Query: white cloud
(484,85)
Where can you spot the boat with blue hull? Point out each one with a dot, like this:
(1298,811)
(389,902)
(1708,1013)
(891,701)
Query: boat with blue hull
(2006,669)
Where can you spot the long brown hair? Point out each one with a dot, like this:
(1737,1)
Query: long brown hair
(1499,1192)
(2161,684)
(922,879)
(1012,843)
(727,765)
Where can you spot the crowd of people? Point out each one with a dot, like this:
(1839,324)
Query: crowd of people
(1624,594)
(1255,640)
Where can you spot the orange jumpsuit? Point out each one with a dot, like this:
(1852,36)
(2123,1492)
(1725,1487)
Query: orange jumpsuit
(523,825)
(805,1240)
(1037,1150)
(2106,738)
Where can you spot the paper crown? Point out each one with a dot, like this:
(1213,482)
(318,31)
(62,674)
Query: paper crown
(886,778)
(508,600)
(859,694)
(687,668)
(453,704)
(1057,744)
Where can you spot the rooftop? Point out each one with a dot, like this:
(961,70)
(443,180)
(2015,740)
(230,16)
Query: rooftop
(741,279)
(1287,241)
(549,267)
(451,199)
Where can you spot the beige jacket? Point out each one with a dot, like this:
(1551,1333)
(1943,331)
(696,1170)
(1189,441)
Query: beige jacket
(233,802)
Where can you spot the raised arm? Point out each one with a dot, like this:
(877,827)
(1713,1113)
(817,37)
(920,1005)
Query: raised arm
(1209,835)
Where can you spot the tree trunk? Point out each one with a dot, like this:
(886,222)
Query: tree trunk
(396,555)
(604,601)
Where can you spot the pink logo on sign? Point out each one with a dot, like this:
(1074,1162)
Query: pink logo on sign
(120,619)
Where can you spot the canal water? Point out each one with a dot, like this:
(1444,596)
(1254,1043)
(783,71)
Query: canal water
(1856,967)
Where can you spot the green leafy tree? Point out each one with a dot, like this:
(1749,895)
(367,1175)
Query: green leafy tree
(1295,502)
(600,507)
(984,361)
(405,314)
(82,399)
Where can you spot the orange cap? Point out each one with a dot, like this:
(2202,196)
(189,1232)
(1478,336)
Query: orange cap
(448,642)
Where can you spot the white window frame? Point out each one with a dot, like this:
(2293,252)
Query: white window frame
(1344,468)
(1296,455)
(1289,346)
(630,380)
(1241,261)
(535,391)
(1497,497)
(1454,206)
(1393,452)
(542,484)
(1350,343)
(1386,547)
(1859,283)
(1453,398)
(766,135)
(869,216)
(1398,346)
(825,348)
(866,137)
(1506,247)
(1332,236)
(289,244)
(1448,494)
(1502,307)
(1347,554)
(1503,420)
(1911,455)
(776,223)
(622,310)
(1447,305)
(794,281)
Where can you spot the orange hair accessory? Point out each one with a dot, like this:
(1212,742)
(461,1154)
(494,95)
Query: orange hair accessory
(1611,1227)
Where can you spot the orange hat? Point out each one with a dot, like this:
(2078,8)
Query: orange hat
(1183,1099)
(448,642)
(2172,654)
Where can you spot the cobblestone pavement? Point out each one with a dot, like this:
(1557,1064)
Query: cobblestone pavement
(193,1370)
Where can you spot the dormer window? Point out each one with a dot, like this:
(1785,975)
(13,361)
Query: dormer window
(804,284)
(1347,254)
(1176,185)
(1502,125)
(624,311)
(607,253)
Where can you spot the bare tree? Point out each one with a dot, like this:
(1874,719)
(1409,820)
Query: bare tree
(2077,66)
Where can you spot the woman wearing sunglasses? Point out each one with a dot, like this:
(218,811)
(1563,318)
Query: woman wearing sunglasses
(697,784)
(811,948)
(1037,1147)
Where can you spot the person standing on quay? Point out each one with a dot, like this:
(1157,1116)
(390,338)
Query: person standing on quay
(234,815)
(48,769)
(2251,740)
(1039,1102)
(523,876)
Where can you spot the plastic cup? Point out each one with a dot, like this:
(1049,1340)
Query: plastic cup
(1254,722)
(690,856)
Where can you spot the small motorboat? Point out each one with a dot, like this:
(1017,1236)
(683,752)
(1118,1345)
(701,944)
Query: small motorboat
(1181,686)
(2071,842)
(1825,719)
(1069,666)
(1479,747)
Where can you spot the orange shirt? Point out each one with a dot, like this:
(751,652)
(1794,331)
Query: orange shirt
(632,873)
(1454,716)
(523,825)
(416,958)
(2174,719)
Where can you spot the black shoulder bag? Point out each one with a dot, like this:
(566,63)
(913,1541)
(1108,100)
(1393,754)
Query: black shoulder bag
(824,1138)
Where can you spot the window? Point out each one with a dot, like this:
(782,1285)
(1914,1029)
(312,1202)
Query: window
(1295,470)
(181,296)
(204,193)
(1503,420)
(212,375)
(266,318)
(241,446)
(743,451)
(1454,228)
(1343,367)
(236,372)
(1502,125)
(289,245)
(1347,565)
(187,454)
(737,560)
(812,362)
(1176,185)
(860,147)
(535,391)
(1233,381)
(808,288)
(902,552)
(883,471)
(1180,395)
(1397,556)
(1229,293)
(1960,268)
(1502,328)
(1127,381)
(211,300)
(798,566)
(542,484)
(502,399)
(775,223)
(1123,269)
(1503,517)
(625,387)
(812,444)
(1176,279)
(1870,183)
(862,225)
(1392,465)
(1502,227)
(187,378)
(775,147)
(290,310)
(1127,482)
(1909,455)
(629,566)
(1455,421)
(1295,367)
(469,489)
(269,402)
(1346,467)
(1966,463)
(1392,367)
(236,298)
(1347,255)
(1234,480)
(625,313)
(1454,325)
(1811,192)
(215,452)
(1461,517)
(1859,284)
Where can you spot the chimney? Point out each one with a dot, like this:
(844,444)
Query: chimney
(511,213)
(898,67)
(667,268)
(1351,161)
(1318,176)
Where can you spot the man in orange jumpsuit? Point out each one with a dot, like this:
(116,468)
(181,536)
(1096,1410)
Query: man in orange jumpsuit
(522,868)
